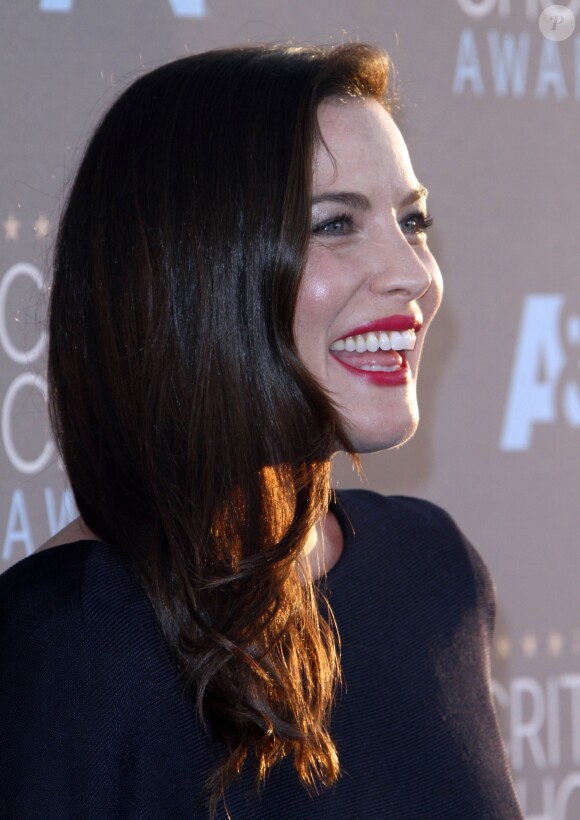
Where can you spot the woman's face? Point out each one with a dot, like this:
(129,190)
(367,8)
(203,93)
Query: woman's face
(371,285)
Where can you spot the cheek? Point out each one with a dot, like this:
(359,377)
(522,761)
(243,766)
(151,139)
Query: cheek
(437,289)
(319,301)
(316,299)
(317,287)
(432,299)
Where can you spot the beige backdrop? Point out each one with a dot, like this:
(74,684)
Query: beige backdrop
(491,116)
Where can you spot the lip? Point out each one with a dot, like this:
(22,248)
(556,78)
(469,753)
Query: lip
(380,378)
(397,322)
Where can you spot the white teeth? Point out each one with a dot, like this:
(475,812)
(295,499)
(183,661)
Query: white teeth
(408,340)
(379,368)
(384,341)
(396,340)
(371,342)
(361,344)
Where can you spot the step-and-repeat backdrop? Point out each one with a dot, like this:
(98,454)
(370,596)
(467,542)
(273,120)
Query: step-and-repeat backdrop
(491,92)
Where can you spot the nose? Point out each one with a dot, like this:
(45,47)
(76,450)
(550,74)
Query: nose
(401,267)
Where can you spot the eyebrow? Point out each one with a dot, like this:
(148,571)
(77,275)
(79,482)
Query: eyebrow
(417,193)
(348,198)
(361,202)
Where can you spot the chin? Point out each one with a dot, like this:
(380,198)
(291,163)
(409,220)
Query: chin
(372,440)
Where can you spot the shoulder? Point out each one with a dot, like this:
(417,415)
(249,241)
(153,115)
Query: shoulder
(60,584)
(90,698)
(395,513)
(42,593)
(418,543)
(70,616)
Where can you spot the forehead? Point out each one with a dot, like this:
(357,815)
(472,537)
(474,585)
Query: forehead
(360,142)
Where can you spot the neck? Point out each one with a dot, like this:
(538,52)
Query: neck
(324,545)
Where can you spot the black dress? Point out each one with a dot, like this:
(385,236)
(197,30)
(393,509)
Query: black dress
(93,723)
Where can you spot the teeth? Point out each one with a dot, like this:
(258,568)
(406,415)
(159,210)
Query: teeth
(361,344)
(396,340)
(371,342)
(384,341)
(408,339)
(378,368)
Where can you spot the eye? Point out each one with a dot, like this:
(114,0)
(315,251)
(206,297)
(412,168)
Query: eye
(336,226)
(417,223)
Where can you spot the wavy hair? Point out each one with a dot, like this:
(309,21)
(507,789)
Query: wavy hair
(194,438)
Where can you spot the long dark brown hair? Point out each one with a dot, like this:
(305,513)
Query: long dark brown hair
(194,438)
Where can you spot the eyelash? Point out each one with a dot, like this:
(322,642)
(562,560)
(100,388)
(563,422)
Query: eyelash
(346,220)
(423,219)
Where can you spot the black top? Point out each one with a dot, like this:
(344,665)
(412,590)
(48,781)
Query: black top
(93,723)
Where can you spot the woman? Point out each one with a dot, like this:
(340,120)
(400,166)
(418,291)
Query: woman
(242,286)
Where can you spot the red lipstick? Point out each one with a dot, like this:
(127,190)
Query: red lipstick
(402,374)
(379,377)
(388,323)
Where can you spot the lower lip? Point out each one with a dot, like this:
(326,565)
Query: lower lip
(379,377)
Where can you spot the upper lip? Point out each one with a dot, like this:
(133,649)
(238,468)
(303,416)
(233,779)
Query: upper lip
(387,323)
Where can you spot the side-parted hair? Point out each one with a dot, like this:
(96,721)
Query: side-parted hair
(194,438)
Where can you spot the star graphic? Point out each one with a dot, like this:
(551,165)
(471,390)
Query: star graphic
(11,228)
(529,645)
(503,646)
(42,226)
(555,643)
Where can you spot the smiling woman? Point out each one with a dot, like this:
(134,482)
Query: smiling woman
(371,285)
(242,287)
